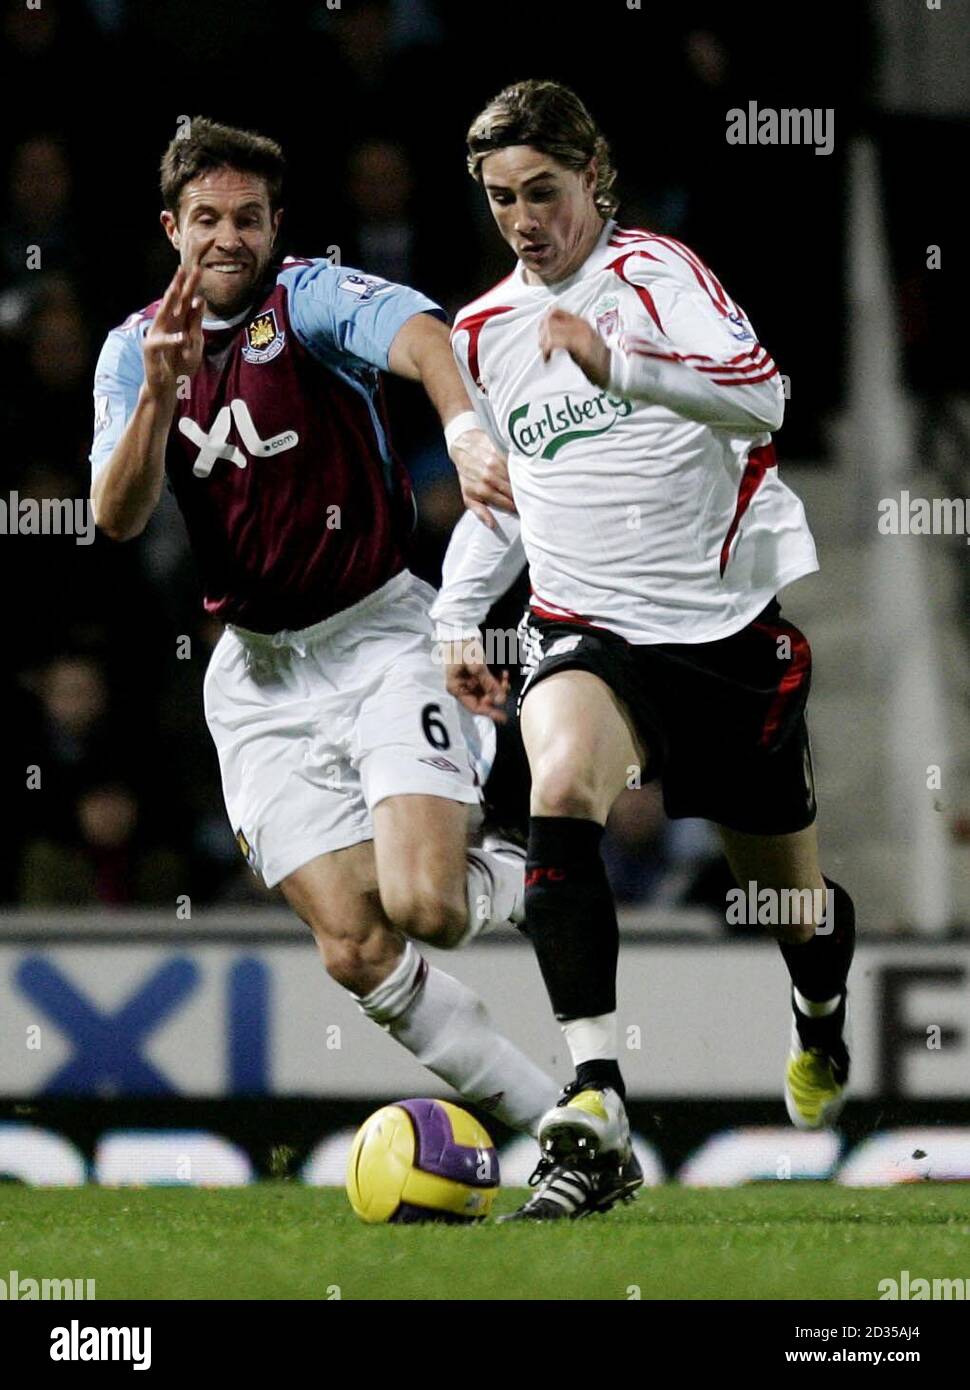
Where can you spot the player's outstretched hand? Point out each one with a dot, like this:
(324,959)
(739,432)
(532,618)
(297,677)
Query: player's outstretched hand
(575,336)
(471,682)
(483,475)
(174,343)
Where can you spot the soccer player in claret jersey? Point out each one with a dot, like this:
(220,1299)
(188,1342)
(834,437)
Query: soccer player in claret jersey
(636,406)
(254,386)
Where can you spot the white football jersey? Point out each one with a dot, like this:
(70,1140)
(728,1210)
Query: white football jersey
(652,507)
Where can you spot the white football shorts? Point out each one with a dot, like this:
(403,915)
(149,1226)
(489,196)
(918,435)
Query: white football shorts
(314,728)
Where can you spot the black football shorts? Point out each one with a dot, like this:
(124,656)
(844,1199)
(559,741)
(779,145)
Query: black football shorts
(722,723)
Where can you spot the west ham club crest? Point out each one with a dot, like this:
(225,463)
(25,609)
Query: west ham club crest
(264,338)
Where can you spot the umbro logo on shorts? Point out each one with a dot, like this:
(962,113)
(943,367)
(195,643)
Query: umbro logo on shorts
(536,654)
(563,645)
(441,763)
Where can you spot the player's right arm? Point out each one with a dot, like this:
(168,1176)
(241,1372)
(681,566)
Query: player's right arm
(135,405)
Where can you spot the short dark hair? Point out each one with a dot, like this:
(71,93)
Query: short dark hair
(551,118)
(206,144)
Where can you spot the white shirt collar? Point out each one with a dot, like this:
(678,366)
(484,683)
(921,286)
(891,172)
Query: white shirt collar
(215,324)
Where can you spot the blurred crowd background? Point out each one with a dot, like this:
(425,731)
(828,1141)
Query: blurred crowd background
(371,100)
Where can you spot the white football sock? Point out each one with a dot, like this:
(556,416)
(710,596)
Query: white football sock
(496,890)
(447,1028)
(811,1008)
(591,1039)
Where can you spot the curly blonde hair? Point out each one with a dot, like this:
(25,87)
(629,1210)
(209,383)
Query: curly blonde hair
(551,118)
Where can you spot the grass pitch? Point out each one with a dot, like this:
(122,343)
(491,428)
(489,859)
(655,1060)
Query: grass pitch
(280,1240)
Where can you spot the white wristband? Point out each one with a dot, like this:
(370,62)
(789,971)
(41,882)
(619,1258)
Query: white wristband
(450,632)
(461,424)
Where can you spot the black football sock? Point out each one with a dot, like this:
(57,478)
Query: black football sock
(819,967)
(570,919)
(600,1074)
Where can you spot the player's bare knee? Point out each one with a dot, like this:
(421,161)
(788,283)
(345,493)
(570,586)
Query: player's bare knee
(428,915)
(346,963)
(360,959)
(436,921)
(354,940)
(559,790)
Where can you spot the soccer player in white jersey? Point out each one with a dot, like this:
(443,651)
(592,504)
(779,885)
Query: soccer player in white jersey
(636,406)
(253,386)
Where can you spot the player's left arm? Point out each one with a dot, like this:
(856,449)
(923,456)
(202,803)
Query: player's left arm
(687,352)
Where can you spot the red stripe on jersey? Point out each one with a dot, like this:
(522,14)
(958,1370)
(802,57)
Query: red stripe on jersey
(738,376)
(746,380)
(473,326)
(646,298)
(758,359)
(644,345)
(718,298)
(699,268)
(801,659)
(742,355)
(561,615)
(648,348)
(624,235)
(627,346)
(758,462)
(741,373)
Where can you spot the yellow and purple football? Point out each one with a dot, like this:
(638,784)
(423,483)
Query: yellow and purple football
(422,1160)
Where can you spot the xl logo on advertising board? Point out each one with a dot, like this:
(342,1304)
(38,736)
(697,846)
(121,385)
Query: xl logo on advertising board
(108,1045)
(127,1017)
